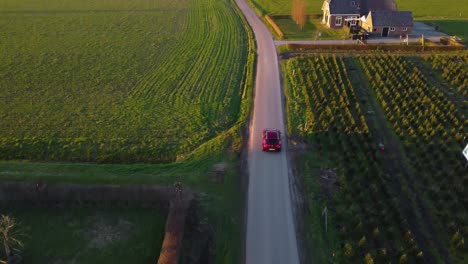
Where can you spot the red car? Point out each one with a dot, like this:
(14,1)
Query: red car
(271,139)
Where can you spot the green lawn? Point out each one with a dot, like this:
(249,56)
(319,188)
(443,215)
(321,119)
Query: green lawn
(83,235)
(457,28)
(283,7)
(312,30)
(430,9)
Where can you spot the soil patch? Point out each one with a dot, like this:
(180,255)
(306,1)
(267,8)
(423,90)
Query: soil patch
(103,232)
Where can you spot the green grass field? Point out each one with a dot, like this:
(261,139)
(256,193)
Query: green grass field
(118,81)
(283,7)
(84,235)
(128,82)
(449,9)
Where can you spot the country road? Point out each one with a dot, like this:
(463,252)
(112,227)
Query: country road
(271,236)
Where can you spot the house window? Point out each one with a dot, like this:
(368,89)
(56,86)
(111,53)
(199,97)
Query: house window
(353,21)
(404,29)
(338,20)
(392,28)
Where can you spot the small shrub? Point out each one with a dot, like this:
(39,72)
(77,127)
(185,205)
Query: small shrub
(368,259)
(403,259)
(460,244)
(362,242)
(456,237)
(376,232)
(348,250)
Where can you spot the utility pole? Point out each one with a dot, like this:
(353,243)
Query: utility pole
(422,41)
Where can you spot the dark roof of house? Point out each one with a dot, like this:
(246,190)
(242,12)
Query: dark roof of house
(391,18)
(344,6)
(361,7)
(372,5)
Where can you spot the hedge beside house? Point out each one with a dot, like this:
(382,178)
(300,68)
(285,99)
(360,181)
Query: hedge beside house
(274,26)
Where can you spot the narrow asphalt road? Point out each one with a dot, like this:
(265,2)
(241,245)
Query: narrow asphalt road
(271,236)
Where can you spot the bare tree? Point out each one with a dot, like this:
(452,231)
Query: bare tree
(294,10)
(10,233)
(298,12)
(302,14)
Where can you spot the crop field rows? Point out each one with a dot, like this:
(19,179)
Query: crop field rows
(365,209)
(377,210)
(118,81)
(454,69)
(432,130)
(331,100)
